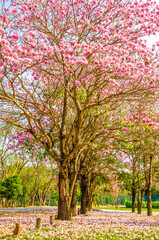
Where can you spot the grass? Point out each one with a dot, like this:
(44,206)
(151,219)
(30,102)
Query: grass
(95,225)
(124,208)
(114,233)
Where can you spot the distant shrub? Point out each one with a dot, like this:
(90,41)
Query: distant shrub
(128,204)
(155,204)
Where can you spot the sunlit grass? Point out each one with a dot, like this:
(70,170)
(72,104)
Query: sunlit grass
(93,225)
(124,208)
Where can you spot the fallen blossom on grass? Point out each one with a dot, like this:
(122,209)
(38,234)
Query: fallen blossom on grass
(93,225)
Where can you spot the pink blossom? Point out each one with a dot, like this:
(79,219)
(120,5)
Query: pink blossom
(77,83)
(1,30)
(124,129)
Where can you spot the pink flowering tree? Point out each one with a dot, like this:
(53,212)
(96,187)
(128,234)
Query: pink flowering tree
(99,166)
(60,62)
(139,140)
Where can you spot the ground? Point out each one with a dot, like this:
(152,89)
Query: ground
(94,225)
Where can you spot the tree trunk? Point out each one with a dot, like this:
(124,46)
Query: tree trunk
(63,201)
(40,200)
(90,193)
(84,191)
(133,185)
(3,202)
(33,200)
(139,205)
(74,200)
(89,200)
(7,203)
(44,200)
(98,200)
(133,196)
(149,203)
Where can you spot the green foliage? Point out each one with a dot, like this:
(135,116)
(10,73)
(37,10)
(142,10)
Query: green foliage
(155,204)
(128,204)
(78,195)
(11,187)
(155,189)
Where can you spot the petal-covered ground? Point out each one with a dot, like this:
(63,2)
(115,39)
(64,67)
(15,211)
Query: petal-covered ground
(94,225)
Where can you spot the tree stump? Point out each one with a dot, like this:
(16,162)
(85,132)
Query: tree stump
(51,219)
(79,211)
(17,229)
(38,223)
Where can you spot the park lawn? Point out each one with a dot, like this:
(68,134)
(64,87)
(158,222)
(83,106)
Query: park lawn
(124,208)
(114,232)
(93,225)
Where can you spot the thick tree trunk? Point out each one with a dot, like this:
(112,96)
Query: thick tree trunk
(63,201)
(139,204)
(3,202)
(133,196)
(74,200)
(149,203)
(89,200)
(90,195)
(7,203)
(84,191)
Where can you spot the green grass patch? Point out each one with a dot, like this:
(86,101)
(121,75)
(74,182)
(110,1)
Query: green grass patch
(124,208)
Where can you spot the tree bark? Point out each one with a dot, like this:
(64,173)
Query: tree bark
(139,204)
(149,185)
(74,200)
(133,196)
(89,200)
(33,200)
(133,185)
(84,191)
(90,192)
(63,203)
(3,202)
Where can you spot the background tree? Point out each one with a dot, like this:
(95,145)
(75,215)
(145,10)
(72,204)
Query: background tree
(11,188)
